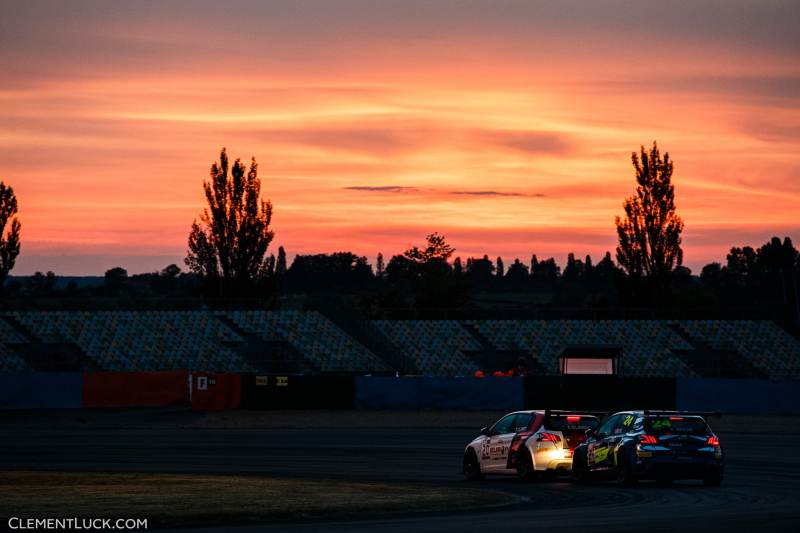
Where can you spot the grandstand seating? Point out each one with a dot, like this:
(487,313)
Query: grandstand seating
(321,342)
(215,341)
(436,346)
(762,342)
(131,341)
(646,344)
(9,361)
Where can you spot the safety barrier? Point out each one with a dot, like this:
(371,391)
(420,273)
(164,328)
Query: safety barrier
(135,389)
(599,393)
(41,390)
(215,392)
(297,392)
(742,396)
(438,393)
(230,391)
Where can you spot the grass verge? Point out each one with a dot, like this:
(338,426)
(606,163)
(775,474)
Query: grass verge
(209,500)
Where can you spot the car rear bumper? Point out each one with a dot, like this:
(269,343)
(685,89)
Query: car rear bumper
(553,460)
(672,467)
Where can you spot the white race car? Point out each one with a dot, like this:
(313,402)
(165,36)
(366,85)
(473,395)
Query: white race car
(526,443)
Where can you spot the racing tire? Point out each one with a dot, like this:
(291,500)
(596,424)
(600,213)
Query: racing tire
(471,467)
(713,480)
(625,475)
(525,470)
(580,473)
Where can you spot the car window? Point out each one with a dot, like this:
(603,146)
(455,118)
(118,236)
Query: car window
(605,429)
(504,425)
(522,422)
(624,424)
(667,425)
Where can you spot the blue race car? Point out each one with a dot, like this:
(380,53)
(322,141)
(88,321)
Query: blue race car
(659,445)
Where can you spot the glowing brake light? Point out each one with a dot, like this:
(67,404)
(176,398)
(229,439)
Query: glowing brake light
(713,441)
(676,418)
(648,439)
(548,437)
(573,419)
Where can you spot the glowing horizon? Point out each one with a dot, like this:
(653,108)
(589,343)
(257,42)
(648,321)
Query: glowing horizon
(506,126)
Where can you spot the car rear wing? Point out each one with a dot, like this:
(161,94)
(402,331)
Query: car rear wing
(560,413)
(704,414)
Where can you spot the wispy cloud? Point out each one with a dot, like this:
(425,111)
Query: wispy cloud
(381,188)
(496,193)
(535,142)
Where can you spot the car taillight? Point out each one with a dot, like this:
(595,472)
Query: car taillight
(648,439)
(548,437)
(712,441)
(573,419)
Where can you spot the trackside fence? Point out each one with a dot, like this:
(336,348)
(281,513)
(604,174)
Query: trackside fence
(739,396)
(218,391)
(505,393)
(51,390)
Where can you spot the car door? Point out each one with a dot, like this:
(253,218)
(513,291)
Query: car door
(494,454)
(618,431)
(598,450)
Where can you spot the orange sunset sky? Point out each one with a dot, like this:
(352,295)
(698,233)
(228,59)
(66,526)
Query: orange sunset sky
(505,125)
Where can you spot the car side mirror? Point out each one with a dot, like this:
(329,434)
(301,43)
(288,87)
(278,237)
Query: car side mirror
(485,431)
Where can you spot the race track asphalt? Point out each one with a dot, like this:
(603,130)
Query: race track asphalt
(761,490)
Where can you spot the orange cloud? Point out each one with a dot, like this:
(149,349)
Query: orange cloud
(508,128)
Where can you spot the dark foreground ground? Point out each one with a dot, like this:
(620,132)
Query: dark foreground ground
(761,489)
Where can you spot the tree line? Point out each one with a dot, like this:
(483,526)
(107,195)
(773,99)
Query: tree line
(229,258)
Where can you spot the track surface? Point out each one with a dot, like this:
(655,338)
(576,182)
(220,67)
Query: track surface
(761,488)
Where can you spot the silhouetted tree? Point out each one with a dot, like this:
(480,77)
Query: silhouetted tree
(280,265)
(480,271)
(380,268)
(170,271)
(399,269)
(777,260)
(650,235)
(547,271)
(41,284)
(435,249)
(270,268)
(328,272)
(9,240)
(233,234)
(574,269)
(742,266)
(501,270)
(458,269)
(115,279)
(517,274)
(711,275)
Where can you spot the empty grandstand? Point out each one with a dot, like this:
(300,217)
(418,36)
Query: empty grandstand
(308,342)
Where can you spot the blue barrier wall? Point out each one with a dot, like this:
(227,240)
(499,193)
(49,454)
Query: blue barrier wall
(439,393)
(41,390)
(733,396)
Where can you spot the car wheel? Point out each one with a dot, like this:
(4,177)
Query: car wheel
(625,475)
(713,480)
(525,465)
(580,473)
(471,467)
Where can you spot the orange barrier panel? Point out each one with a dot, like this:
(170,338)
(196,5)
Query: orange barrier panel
(135,389)
(216,392)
